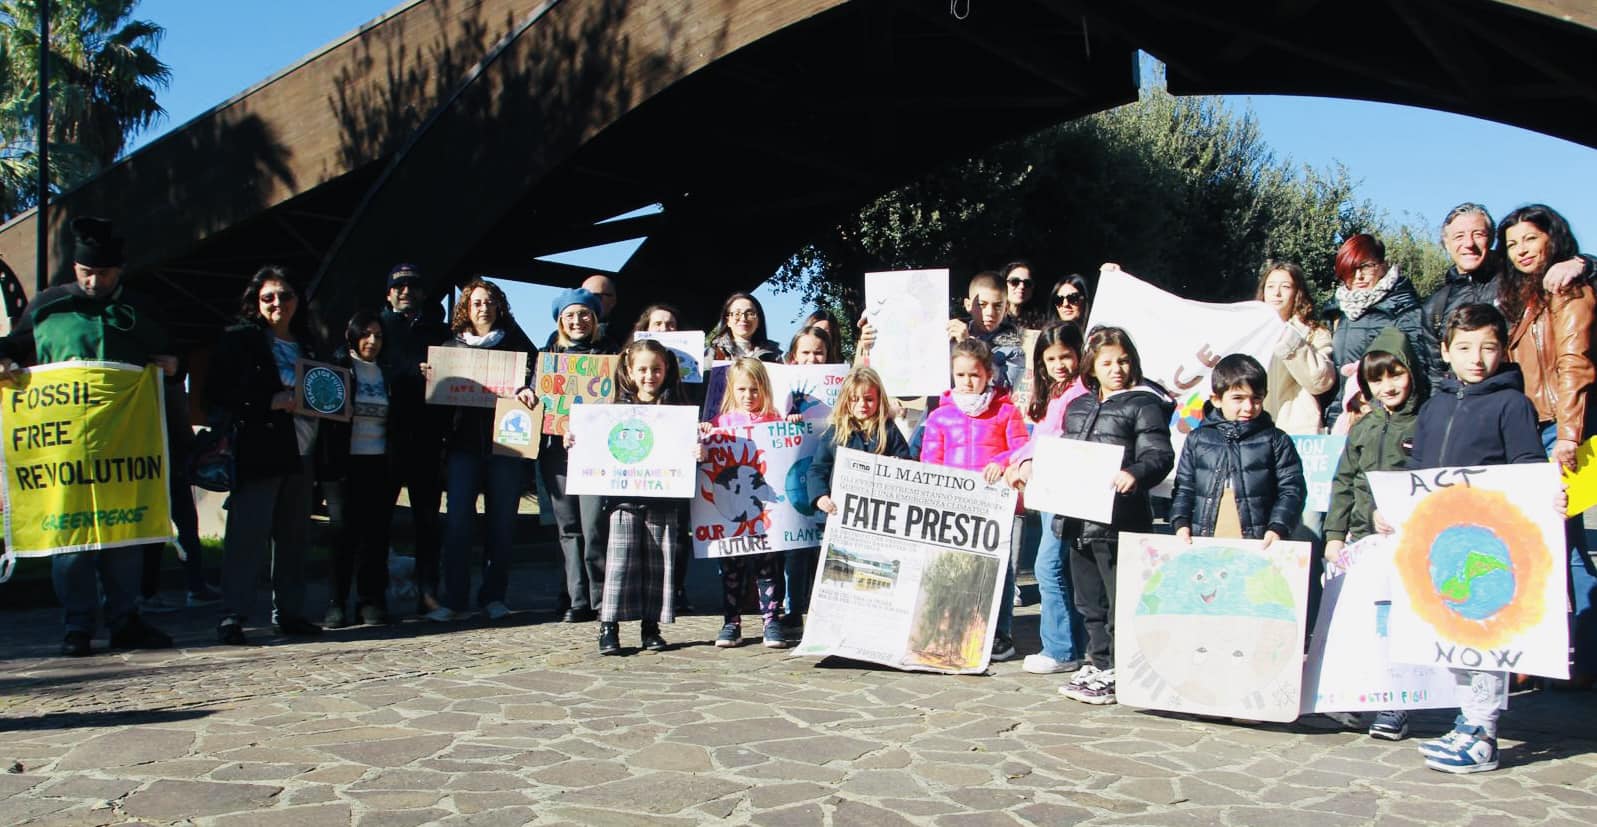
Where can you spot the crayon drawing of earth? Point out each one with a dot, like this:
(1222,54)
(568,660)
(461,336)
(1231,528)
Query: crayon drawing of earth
(1214,622)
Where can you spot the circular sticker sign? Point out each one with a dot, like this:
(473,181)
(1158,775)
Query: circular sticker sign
(324,391)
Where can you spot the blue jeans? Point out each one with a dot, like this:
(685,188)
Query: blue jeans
(1060,626)
(500,479)
(800,570)
(1582,583)
(74,576)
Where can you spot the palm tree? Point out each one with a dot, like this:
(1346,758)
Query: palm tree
(104,76)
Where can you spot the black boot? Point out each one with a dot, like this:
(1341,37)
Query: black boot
(651,637)
(609,638)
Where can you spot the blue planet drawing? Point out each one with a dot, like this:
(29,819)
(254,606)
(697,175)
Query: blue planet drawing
(1472,571)
(797,487)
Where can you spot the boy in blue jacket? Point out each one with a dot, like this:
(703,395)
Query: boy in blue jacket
(1239,475)
(1479,416)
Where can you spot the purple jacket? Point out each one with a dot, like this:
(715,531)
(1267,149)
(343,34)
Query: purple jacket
(970,442)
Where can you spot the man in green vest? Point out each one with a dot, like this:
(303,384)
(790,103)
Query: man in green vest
(94,318)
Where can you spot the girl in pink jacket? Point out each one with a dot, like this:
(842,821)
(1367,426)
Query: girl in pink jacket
(975,427)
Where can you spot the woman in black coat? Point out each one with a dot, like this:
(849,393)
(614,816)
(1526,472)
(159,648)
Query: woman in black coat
(250,385)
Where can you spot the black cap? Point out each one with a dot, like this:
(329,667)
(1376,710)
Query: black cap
(93,243)
(403,274)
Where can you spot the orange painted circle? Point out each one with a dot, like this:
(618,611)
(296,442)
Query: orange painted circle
(1527,553)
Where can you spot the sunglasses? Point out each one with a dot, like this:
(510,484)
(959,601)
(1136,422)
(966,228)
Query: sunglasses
(1016,282)
(1062,299)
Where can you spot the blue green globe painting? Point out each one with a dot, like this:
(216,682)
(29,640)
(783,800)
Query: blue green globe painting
(798,487)
(1472,571)
(631,441)
(1218,581)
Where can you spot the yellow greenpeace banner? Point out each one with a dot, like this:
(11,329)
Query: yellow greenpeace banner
(86,459)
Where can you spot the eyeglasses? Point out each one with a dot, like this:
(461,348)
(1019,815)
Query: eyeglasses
(278,297)
(1062,299)
(743,314)
(1016,281)
(1368,267)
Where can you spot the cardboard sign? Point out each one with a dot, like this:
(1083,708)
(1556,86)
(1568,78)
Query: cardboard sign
(569,379)
(517,430)
(324,391)
(473,377)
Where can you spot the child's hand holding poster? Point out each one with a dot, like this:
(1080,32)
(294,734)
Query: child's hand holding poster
(1479,563)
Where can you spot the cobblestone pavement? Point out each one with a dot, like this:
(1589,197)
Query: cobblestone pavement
(523,723)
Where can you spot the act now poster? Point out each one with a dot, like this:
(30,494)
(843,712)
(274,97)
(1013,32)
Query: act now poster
(1480,566)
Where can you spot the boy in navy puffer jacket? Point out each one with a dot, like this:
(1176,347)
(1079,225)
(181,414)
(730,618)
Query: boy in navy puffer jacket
(1239,475)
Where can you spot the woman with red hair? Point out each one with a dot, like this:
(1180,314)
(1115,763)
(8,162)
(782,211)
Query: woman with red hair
(1372,296)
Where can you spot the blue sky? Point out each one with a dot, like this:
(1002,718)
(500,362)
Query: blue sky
(1413,163)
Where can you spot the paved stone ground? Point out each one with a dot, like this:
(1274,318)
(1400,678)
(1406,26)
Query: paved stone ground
(523,723)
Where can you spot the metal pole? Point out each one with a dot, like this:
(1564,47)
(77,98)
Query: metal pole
(42,253)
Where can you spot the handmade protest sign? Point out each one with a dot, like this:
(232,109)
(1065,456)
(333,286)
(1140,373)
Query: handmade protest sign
(1214,627)
(693,357)
(85,458)
(1026,387)
(323,391)
(807,390)
(1480,567)
(1074,477)
(753,494)
(517,429)
(1180,340)
(638,450)
(909,309)
(1581,483)
(473,377)
(1349,668)
(1320,454)
(911,566)
(566,380)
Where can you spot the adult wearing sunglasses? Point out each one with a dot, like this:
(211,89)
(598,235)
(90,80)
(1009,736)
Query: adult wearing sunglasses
(1022,296)
(1070,300)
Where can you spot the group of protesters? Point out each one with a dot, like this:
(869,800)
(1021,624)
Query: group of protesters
(1518,292)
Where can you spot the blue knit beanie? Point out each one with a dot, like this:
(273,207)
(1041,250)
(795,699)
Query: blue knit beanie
(575,295)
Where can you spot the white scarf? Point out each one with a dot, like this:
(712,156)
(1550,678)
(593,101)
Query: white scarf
(973,404)
(1355,303)
(473,340)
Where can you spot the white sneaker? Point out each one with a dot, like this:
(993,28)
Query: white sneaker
(442,614)
(1079,679)
(1041,664)
(496,610)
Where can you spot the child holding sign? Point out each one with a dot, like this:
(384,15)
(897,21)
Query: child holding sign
(1122,409)
(977,428)
(747,401)
(640,554)
(1379,441)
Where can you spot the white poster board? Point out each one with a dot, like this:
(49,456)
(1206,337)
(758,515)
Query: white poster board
(1214,627)
(911,567)
(632,450)
(909,309)
(1180,341)
(1349,668)
(690,348)
(1480,563)
(1074,477)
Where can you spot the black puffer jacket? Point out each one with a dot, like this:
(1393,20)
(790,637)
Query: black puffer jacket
(1401,309)
(1138,420)
(1258,459)
(243,379)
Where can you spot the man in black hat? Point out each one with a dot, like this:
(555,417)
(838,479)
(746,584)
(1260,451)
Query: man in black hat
(411,324)
(94,318)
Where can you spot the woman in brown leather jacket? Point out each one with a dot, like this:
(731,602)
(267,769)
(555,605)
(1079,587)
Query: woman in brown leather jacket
(1551,332)
(1551,340)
